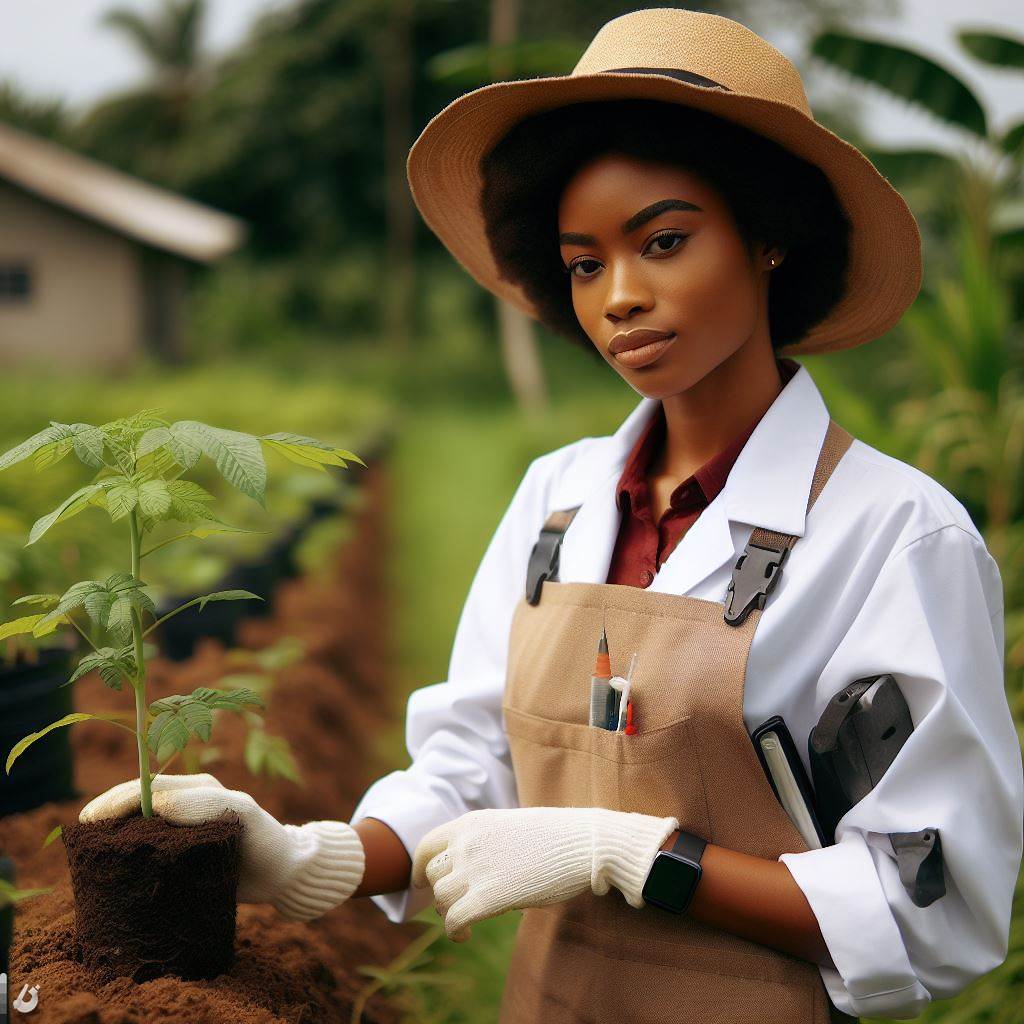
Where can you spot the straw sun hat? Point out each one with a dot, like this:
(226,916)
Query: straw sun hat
(702,61)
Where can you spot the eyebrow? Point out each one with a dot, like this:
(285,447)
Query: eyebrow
(630,225)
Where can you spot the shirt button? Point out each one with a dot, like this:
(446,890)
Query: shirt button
(647,577)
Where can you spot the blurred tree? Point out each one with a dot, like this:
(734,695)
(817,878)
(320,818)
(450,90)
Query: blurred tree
(141,130)
(47,118)
(517,335)
(985,177)
(396,57)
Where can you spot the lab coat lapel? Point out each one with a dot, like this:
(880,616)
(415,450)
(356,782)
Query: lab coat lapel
(768,486)
(590,482)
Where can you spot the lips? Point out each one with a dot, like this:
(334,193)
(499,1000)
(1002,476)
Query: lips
(636,338)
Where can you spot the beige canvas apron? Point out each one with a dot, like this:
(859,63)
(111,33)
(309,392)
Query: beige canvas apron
(597,958)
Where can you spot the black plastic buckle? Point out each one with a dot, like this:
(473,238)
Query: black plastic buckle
(543,565)
(754,577)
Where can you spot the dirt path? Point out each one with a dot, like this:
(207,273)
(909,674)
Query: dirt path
(329,706)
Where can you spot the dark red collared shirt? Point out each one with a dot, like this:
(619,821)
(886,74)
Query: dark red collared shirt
(642,544)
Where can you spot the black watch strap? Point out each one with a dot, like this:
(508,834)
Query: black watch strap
(689,845)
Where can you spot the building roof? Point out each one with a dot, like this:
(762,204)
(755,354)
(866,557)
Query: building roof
(135,208)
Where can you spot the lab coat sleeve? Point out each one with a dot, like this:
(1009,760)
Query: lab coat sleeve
(454,730)
(934,619)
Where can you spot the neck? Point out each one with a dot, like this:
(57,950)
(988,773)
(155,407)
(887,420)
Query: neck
(702,420)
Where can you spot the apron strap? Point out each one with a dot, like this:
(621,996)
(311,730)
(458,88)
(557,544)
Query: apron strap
(544,556)
(757,570)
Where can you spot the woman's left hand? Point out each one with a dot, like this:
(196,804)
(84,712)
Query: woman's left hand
(486,862)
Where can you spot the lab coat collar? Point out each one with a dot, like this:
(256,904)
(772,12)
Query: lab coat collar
(768,486)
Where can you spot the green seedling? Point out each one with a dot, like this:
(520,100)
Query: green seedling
(265,755)
(139,461)
(9,894)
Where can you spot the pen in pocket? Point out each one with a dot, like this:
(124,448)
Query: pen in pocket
(600,683)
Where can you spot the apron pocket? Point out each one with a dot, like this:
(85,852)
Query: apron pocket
(550,759)
(655,772)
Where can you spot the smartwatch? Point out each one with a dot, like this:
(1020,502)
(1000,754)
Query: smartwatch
(675,873)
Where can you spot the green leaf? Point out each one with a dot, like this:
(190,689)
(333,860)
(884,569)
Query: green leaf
(28,448)
(183,448)
(270,756)
(228,700)
(10,894)
(182,715)
(108,604)
(66,509)
(154,498)
(121,500)
(44,599)
(228,595)
(254,681)
(88,444)
(112,663)
(26,624)
(309,451)
(903,73)
(167,734)
(74,597)
(238,456)
(208,531)
(51,454)
(198,718)
(56,831)
(1000,51)
(120,450)
(188,501)
(26,741)
(152,441)
(44,628)
(1012,141)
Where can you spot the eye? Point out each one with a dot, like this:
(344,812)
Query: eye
(667,236)
(571,269)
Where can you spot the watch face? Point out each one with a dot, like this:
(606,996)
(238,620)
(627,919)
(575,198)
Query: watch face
(671,882)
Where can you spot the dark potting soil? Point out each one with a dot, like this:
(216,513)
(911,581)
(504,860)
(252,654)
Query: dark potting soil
(178,882)
(330,706)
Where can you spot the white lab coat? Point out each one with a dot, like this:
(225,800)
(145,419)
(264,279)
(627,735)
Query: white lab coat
(889,575)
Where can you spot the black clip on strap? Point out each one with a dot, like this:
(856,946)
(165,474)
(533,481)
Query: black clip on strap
(754,577)
(545,554)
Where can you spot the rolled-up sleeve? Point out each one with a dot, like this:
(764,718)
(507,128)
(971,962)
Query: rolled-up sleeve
(453,729)
(934,620)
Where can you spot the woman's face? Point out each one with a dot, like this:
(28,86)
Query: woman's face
(652,246)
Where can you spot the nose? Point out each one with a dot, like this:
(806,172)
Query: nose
(627,293)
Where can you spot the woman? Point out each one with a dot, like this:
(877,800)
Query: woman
(673,206)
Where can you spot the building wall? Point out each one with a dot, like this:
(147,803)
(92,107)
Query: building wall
(85,292)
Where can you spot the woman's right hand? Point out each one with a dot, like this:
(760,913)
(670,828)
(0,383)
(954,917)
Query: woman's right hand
(303,870)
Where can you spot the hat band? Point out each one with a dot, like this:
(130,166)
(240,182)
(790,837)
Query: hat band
(683,76)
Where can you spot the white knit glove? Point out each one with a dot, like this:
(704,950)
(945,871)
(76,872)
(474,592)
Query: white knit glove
(489,861)
(303,870)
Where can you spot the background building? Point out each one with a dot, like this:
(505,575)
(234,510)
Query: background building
(94,263)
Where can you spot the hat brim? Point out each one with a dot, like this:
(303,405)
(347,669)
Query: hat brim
(883,275)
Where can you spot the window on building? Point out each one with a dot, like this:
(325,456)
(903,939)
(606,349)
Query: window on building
(15,281)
